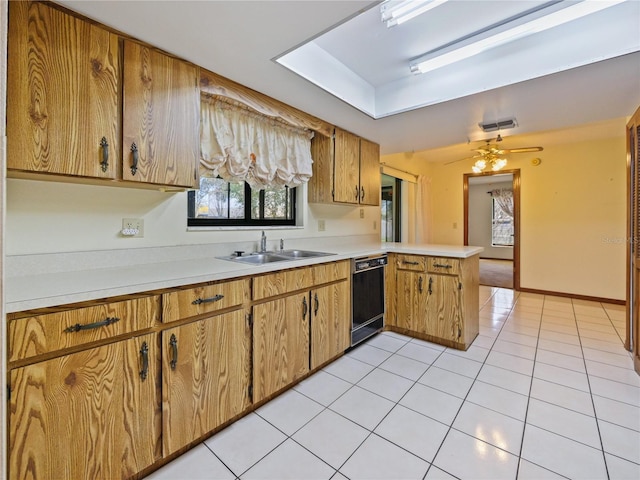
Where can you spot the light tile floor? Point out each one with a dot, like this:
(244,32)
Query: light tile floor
(545,391)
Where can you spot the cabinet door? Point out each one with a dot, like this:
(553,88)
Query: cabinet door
(63,80)
(443,307)
(280,343)
(346,177)
(206,375)
(84,415)
(370,182)
(330,322)
(411,298)
(161,116)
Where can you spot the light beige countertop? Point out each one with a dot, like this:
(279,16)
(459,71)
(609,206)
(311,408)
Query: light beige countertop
(27,291)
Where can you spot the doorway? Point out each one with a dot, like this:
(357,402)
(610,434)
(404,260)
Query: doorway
(390,209)
(492,221)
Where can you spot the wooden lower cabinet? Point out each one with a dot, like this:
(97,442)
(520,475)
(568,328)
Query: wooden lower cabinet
(86,415)
(206,369)
(280,343)
(330,322)
(435,306)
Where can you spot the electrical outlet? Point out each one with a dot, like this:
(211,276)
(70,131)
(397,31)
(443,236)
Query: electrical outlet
(132,227)
(375,224)
(362,213)
(455,225)
(321,226)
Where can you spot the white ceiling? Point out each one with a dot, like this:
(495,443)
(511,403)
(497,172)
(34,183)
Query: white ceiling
(241,39)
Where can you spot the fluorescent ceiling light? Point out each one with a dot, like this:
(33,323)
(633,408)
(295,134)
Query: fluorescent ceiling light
(436,60)
(395,12)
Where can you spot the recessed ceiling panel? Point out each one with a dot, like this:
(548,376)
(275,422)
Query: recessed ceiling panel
(371,62)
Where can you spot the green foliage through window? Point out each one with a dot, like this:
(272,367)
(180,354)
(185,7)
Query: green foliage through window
(219,203)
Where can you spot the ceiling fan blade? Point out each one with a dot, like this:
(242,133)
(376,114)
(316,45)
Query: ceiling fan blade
(523,150)
(461,159)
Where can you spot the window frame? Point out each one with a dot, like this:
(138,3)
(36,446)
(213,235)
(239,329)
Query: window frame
(493,227)
(247,221)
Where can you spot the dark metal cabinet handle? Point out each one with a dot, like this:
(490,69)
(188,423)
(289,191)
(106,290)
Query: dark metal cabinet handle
(305,308)
(134,164)
(361,194)
(357,192)
(407,262)
(144,357)
(102,323)
(215,298)
(173,343)
(420,284)
(430,284)
(440,265)
(317,304)
(105,154)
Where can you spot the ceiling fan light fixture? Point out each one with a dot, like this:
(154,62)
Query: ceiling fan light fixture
(495,164)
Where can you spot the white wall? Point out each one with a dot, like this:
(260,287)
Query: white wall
(573,213)
(52,217)
(481,216)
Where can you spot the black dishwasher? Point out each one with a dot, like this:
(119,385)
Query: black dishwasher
(367,297)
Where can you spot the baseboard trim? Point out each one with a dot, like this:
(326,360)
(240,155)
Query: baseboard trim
(492,258)
(573,295)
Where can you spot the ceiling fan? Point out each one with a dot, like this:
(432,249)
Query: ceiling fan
(492,156)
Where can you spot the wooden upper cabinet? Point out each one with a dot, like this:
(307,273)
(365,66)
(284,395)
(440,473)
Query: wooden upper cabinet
(161,117)
(370,182)
(63,83)
(346,181)
(346,169)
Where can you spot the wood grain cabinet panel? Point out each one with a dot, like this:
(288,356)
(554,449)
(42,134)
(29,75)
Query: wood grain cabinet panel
(161,116)
(204,299)
(280,343)
(85,415)
(272,284)
(434,298)
(330,322)
(205,377)
(63,79)
(46,333)
(346,170)
(370,180)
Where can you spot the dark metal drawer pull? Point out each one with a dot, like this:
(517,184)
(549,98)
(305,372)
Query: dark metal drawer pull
(420,284)
(215,298)
(105,154)
(144,356)
(407,262)
(102,323)
(134,164)
(440,265)
(173,343)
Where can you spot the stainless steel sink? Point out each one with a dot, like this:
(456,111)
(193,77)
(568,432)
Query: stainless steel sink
(271,257)
(303,253)
(258,258)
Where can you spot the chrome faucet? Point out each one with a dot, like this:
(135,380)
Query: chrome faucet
(263,242)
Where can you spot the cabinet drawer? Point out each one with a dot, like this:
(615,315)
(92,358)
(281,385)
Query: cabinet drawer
(330,272)
(46,333)
(443,265)
(273,284)
(190,302)
(417,263)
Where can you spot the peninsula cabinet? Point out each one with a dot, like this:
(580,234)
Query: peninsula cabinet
(435,298)
(346,170)
(83,400)
(161,118)
(64,81)
(304,323)
(206,377)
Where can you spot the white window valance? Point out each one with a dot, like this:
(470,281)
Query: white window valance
(239,144)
